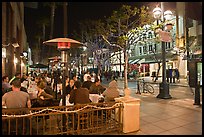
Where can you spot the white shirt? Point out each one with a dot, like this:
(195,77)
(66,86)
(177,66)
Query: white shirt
(85,76)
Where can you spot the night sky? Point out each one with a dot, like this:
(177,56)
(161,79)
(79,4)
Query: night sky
(77,11)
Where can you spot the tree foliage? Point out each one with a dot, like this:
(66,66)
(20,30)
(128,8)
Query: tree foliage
(114,29)
(121,23)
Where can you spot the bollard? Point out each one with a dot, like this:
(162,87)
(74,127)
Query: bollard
(197,95)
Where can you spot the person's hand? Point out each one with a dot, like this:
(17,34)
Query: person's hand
(41,97)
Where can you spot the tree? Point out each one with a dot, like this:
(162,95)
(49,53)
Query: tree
(43,22)
(120,23)
(91,31)
(114,31)
(36,49)
(52,6)
(65,18)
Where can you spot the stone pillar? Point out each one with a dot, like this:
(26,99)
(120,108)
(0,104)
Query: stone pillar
(130,113)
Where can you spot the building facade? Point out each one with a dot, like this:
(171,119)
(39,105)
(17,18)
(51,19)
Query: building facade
(14,40)
(186,42)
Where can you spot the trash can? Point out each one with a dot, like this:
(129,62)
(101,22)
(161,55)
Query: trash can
(130,114)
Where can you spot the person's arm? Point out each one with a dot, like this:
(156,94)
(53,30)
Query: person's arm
(71,97)
(104,93)
(29,103)
(101,89)
(46,96)
(91,88)
(3,104)
(3,101)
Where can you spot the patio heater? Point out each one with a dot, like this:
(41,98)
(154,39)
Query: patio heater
(63,47)
(63,44)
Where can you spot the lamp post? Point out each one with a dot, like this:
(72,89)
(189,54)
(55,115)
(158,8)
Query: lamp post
(164,86)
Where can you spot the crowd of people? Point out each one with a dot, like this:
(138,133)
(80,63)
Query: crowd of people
(37,90)
(172,75)
(43,90)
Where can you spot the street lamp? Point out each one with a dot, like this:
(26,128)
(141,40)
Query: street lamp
(164,86)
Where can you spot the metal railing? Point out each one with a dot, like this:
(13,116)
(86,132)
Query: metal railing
(93,118)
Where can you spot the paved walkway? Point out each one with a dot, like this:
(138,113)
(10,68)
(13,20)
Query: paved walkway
(175,116)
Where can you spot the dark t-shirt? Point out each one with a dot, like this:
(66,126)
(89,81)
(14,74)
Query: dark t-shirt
(97,89)
(68,89)
(79,96)
(87,84)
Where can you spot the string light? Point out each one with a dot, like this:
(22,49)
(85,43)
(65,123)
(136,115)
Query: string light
(54,110)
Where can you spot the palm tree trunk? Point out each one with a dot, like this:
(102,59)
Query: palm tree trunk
(52,24)
(38,49)
(43,27)
(52,19)
(65,18)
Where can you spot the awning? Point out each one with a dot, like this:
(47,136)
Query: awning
(135,61)
(130,61)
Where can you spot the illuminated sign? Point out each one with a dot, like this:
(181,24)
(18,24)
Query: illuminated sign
(63,45)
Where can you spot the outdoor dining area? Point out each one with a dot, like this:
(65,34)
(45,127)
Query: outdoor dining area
(52,112)
(50,117)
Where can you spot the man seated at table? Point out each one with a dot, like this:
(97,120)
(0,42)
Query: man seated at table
(87,84)
(97,88)
(17,99)
(79,95)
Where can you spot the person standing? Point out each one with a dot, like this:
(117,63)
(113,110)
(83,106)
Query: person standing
(167,75)
(173,75)
(170,75)
(177,75)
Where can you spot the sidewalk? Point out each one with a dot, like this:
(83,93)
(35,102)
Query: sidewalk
(183,82)
(175,116)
